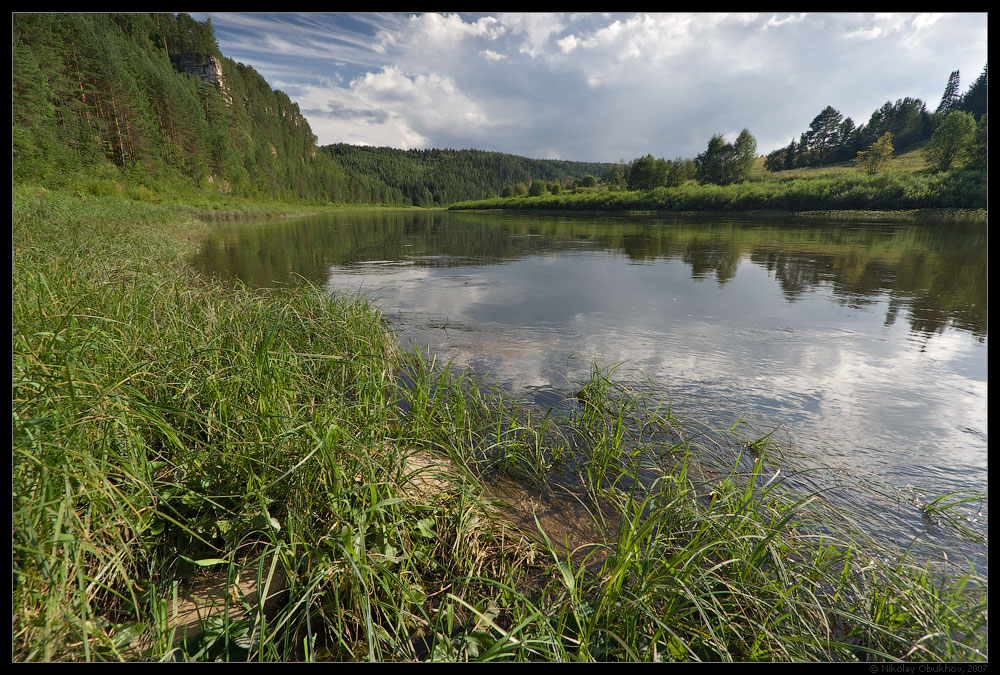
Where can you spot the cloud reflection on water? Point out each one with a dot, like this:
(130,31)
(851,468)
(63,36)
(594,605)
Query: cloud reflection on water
(861,393)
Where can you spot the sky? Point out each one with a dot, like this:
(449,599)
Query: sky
(596,87)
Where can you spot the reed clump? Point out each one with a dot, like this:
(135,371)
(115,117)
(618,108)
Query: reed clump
(169,429)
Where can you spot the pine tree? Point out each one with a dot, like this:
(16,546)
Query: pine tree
(907,120)
(974,100)
(847,140)
(823,137)
(775,160)
(950,98)
(790,155)
(678,171)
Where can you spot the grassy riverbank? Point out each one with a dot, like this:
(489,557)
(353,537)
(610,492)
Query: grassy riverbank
(169,431)
(843,190)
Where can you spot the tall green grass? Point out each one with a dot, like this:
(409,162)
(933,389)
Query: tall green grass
(699,565)
(168,428)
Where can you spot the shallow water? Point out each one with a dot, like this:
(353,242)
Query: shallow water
(863,344)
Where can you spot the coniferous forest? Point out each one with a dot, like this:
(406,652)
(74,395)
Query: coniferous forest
(148,100)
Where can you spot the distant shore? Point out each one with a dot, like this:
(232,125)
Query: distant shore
(955,193)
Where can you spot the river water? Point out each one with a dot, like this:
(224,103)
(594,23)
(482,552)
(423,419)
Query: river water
(862,345)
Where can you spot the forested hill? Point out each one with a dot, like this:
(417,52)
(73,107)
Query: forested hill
(146,103)
(440,177)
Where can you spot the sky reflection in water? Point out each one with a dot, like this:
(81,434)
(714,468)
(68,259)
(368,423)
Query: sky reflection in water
(865,343)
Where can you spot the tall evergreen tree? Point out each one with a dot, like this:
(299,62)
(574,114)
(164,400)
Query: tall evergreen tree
(790,155)
(907,120)
(951,96)
(848,140)
(974,100)
(824,135)
(678,171)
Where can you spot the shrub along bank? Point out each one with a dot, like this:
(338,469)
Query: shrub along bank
(846,191)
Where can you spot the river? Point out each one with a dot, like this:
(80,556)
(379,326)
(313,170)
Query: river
(862,345)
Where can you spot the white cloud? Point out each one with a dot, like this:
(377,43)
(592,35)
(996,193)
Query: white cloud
(491,55)
(535,29)
(775,22)
(646,36)
(394,131)
(568,43)
(922,21)
(869,33)
(393,108)
(597,87)
(433,100)
(877,26)
(438,32)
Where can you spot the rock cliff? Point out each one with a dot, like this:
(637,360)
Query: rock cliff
(205,67)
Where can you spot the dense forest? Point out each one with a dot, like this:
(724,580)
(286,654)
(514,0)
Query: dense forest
(97,89)
(440,177)
(145,100)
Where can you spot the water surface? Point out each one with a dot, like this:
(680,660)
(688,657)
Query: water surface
(863,344)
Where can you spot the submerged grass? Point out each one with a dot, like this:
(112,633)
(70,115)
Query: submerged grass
(168,429)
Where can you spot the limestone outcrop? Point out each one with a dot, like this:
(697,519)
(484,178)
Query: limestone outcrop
(206,68)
